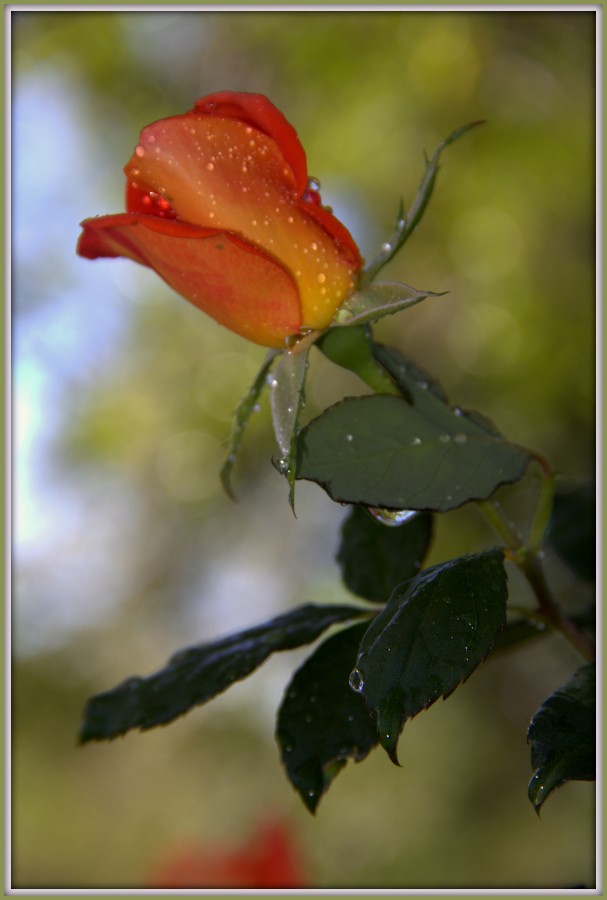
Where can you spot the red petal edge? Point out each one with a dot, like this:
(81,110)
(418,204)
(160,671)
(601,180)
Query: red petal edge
(258,111)
(249,292)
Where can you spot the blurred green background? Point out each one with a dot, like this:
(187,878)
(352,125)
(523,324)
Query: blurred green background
(125,547)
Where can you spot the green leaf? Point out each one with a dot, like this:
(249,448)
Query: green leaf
(243,413)
(562,735)
(321,722)
(572,529)
(375,559)
(377,300)
(382,451)
(430,637)
(287,399)
(414,383)
(195,675)
(406,225)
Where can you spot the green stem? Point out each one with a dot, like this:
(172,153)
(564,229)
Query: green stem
(529,561)
(500,524)
(543,506)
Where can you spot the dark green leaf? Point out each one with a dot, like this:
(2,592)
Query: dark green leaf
(562,735)
(195,675)
(430,636)
(287,398)
(376,300)
(382,451)
(321,722)
(241,419)
(572,529)
(375,559)
(411,380)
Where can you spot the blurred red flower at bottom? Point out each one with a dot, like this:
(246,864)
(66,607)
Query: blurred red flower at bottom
(268,859)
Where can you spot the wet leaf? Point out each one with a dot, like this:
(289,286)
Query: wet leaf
(245,410)
(385,452)
(287,399)
(413,382)
(322,723)
(375,559)
(431,636)
(197,674)
(376,300)
(562,735)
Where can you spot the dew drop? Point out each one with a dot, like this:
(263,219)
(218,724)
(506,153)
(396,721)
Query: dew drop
(139,151)
(460,438)
(386,248)
(349,437)
(321,278)
(458,411)
(444,438)
(416,442)
(210,166)
(282,465)
(356,681)
(392,518)
(313,184)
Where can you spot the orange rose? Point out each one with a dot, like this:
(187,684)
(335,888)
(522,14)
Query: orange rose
(219,205)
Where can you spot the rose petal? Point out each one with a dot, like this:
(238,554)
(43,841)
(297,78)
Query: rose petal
(219,172)
(258,111)
(230,280)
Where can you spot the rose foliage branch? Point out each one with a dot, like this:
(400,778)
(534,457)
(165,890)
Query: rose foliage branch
(220,205)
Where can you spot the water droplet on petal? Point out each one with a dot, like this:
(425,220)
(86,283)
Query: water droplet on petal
(139,151)
(392,517)
(386,248)
(313,184)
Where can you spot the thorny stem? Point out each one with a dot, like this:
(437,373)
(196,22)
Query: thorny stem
(529,559)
